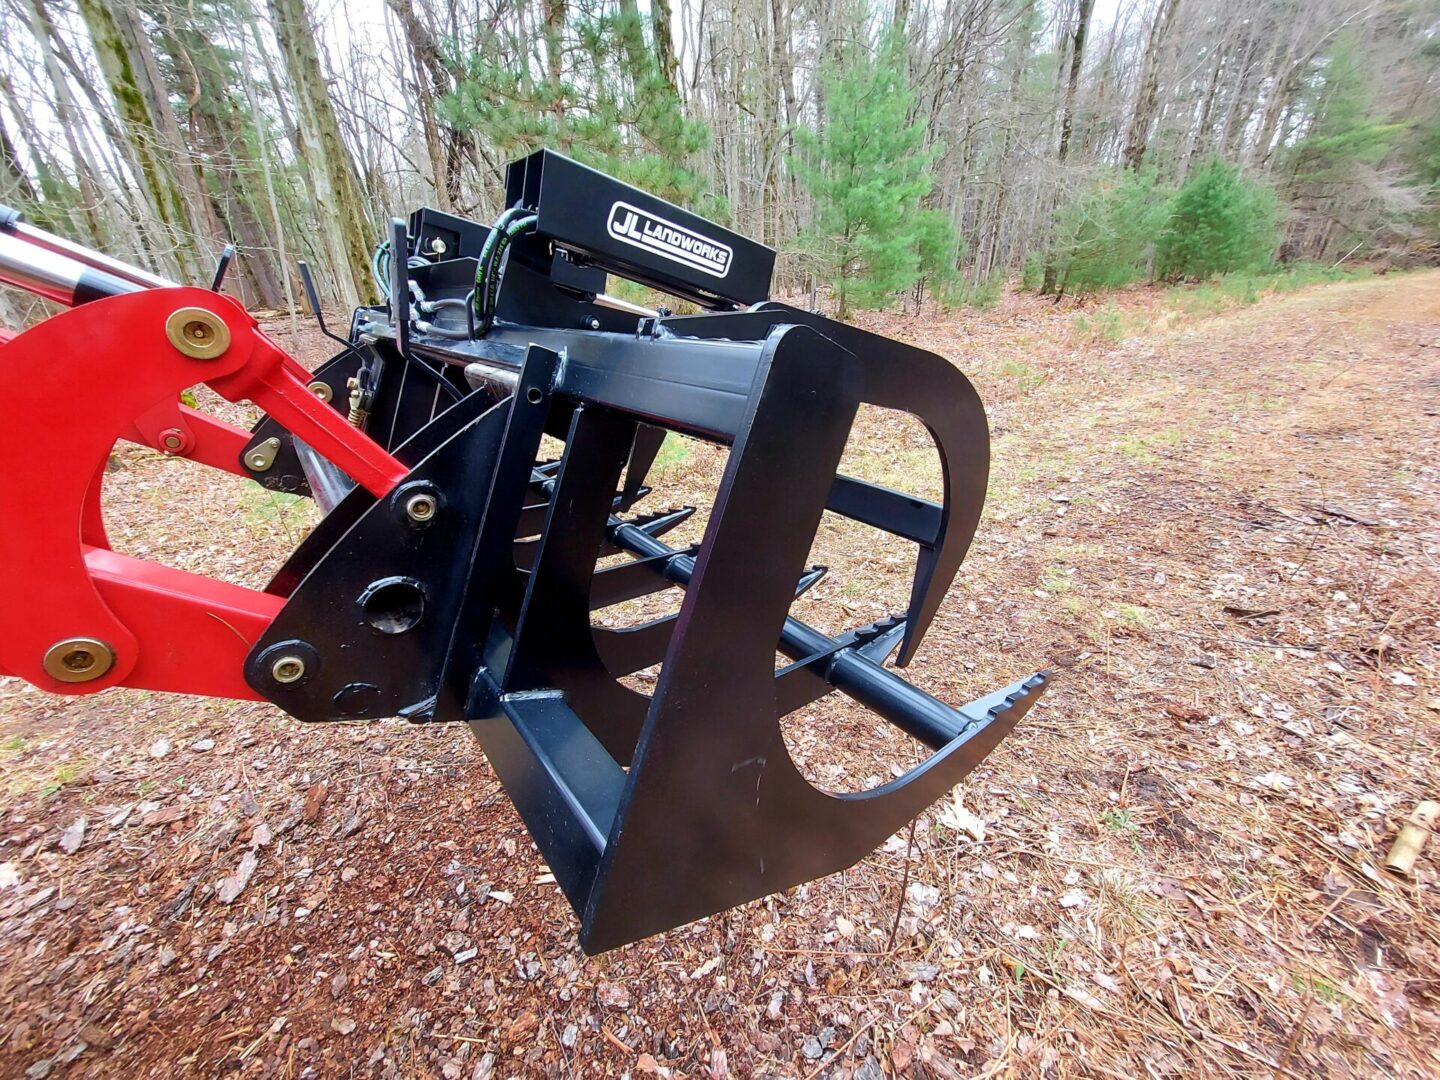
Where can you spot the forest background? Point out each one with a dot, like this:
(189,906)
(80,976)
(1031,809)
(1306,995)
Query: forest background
(889,152)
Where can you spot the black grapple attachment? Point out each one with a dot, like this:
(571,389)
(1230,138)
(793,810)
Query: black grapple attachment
(468,592)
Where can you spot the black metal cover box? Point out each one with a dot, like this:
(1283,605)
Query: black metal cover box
(637,236)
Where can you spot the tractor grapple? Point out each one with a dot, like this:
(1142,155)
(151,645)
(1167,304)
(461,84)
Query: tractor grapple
(456,572)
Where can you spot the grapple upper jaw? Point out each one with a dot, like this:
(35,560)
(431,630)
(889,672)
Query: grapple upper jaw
(899,376)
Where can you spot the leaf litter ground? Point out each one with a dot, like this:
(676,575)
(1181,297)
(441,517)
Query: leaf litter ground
(1222,532)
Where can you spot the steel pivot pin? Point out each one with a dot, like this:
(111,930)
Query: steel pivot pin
(78,659)
(199,334)
(420,508)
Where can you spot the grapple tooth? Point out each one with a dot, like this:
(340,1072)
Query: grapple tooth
(644,449)
(658,524)
(884,638)
(810,578)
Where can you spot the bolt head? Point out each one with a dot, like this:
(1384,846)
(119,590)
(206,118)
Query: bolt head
(78,659)
(197,333)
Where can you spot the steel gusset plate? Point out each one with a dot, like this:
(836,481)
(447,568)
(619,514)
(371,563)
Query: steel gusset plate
(372,619)
(323,537)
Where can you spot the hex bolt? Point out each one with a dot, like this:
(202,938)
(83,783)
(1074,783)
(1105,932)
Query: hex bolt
(287,669)
(420,507)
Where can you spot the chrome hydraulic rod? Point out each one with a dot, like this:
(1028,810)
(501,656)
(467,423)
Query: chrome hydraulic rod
(56,277)
(14,224)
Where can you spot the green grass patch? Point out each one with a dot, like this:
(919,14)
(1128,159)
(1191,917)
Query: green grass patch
(1107,324)
(1241,289)
(1136,448)
(1142,448)
(1025,378)
(1130,615)
(1322,989)
(261,506)
(982,294)
(674,452)
(63,775)
(1055,580)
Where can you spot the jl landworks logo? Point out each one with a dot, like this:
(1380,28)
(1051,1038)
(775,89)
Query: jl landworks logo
(644,230)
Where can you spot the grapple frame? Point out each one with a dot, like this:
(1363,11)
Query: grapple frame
(454,575)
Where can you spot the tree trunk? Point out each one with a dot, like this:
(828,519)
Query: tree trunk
(220,136)
(16,180)
(339,209)
(44,30)
(1138,138)
(1067,120)
(441,77)
(1077,61)
(142,102)
(660,20)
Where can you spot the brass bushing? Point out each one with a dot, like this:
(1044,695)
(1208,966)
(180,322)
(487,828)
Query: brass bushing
(287,669)
(78,659)
(199,334)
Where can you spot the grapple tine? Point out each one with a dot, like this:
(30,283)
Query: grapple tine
(643,451)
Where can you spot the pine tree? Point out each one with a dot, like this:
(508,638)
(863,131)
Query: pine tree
(1106,237)
(603,97)
(1219,222)
(1343,136)
(869,172)
(1334,185)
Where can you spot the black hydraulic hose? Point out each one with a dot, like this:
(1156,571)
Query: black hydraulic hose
(497,230)
(511,232)
(487,284)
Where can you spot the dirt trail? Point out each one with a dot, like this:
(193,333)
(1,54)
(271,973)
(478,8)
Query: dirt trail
(1224,534)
